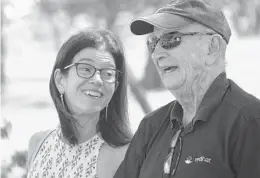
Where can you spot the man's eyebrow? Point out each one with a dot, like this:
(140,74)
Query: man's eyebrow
(165,33)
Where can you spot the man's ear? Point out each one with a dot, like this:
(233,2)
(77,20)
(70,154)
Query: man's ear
(59,81)
(213,49)
(214,46)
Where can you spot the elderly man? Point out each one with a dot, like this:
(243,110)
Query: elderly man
(212,130)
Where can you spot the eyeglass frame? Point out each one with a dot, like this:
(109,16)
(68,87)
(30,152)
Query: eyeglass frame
(76,64)
(172,170)
(175,32)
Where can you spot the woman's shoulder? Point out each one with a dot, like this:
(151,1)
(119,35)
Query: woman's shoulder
(35,141)
(112,156)
(37,137)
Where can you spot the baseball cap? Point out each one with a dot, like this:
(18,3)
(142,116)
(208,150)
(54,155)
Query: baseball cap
(180,13)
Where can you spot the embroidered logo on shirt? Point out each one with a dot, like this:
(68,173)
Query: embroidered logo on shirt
(190,160)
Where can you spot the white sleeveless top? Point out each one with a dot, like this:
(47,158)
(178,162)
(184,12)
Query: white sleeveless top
(57,159)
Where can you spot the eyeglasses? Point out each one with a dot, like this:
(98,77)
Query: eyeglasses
(169,169)
(169,40)
(87,71)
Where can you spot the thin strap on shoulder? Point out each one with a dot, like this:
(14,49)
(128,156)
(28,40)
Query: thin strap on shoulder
(45,136)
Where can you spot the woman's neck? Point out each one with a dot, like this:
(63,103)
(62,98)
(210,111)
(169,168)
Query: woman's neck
(86,126)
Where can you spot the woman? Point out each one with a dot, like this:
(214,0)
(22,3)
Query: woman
(89,89)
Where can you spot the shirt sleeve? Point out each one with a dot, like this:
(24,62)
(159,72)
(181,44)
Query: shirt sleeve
(246,151)
(135,154)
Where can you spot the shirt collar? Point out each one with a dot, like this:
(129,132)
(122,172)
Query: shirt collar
(176,115)
(208,105)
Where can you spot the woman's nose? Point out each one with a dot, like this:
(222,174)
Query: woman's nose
(96,78)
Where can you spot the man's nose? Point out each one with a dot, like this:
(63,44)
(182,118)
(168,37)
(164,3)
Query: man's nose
(158,55)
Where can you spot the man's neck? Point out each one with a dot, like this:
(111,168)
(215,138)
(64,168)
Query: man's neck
(191,96)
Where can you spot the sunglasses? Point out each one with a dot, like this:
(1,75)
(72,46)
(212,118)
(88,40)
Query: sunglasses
(170,165)
(169,40)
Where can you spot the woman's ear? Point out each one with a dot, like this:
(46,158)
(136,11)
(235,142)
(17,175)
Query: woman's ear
(116,85)
(59,81)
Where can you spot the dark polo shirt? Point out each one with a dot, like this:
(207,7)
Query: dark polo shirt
(222,141)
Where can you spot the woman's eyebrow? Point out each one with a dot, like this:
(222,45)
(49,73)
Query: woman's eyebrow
(91,60)
(86,59)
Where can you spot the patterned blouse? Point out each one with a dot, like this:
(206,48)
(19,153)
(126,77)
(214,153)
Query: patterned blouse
(57,159)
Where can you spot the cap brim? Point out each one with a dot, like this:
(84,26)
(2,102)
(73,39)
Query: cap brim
(145,25)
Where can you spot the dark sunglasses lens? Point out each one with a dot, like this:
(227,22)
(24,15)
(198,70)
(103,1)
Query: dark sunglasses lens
(167,41)
(170,41)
